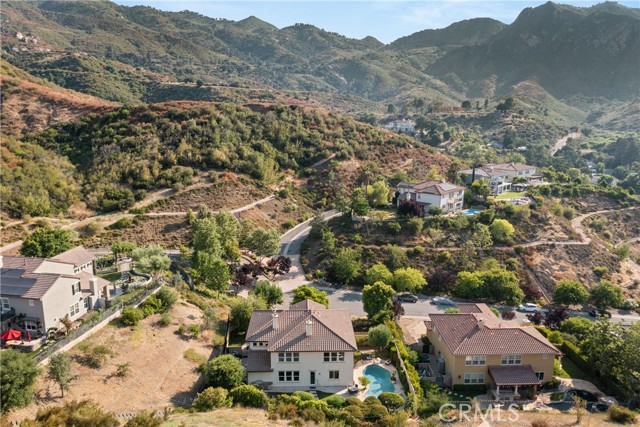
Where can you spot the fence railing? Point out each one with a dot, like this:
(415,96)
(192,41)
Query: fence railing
(52,347)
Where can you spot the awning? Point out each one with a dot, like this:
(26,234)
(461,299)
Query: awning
(259,361)
(513,375)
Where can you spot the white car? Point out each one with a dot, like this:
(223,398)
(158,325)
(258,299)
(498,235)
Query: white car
(529,307)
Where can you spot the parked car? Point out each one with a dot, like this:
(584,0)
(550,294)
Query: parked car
(529,307)
(596,312)
(407,297)
(442,301)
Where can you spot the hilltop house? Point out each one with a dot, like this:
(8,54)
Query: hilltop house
(447,196)
(500,176)
(306,346)
(401,126)
(476,347)
(37,293)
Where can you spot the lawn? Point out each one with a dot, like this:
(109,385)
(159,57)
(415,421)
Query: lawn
(112,277)
(510,195)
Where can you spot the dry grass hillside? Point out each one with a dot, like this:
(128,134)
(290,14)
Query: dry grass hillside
(30,104)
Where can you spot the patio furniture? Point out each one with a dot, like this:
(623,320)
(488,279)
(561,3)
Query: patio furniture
(354,389)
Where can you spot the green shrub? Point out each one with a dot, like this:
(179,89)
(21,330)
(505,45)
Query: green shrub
(313,414)
(572,352)
(167,298)
(121,223)
(131,316)
(394,227)
(224,371)
(303,395)
(353,401)
(249,396)
(211,398)
(335,400)
(391,401)
(618,414)
(165,320)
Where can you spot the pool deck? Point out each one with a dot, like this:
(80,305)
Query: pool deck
(358,371)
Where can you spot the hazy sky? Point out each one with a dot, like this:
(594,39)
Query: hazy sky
(385,20)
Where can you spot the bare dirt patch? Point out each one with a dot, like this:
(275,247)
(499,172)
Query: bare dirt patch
(231,417)
(227,194)
(166,231)
(12,234)
(159,374)
(274,213)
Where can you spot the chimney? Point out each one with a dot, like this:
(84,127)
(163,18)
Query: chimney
(93,286)
(480,323)
(309,323)
(274,319)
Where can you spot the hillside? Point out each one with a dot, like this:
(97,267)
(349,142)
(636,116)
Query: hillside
(132,54)
(32,104)
(567,50)
(121,155)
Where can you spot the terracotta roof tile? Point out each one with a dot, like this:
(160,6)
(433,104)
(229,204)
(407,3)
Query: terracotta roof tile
(259,361)
(480,333)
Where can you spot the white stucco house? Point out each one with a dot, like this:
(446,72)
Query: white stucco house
(304,347)
(449,197)
(401,126)
(37,293)
(500,176)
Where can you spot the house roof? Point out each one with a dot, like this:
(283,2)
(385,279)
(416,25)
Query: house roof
(331,330)
(307,305)
(24,263)
(432,187)
(259,361)
(21,283)
(482,333)
(469,308)
(77,256)
(497,169)
(513,375)
(84,277)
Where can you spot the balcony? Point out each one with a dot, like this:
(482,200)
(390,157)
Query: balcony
(7,314)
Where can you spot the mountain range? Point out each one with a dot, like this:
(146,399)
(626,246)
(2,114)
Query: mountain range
(133,54)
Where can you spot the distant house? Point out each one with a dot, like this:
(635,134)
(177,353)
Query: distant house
(306,346)
(37,293)
(476,347)
(401,126)
(500,176)
(445,195)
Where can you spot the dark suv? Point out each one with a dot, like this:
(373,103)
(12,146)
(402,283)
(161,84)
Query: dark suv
(596,312)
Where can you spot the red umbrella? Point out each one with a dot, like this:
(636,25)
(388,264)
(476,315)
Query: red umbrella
(11,334)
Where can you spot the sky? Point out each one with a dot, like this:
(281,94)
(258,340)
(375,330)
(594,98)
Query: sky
(384,20)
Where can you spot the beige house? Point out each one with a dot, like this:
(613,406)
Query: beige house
(37,293)
(304,347)
(449,197)
(476,347)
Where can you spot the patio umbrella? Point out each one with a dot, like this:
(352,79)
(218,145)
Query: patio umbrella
(11,334)
(28,336)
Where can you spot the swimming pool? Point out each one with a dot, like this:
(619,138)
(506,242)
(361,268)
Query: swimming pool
(471,212)
(380,380)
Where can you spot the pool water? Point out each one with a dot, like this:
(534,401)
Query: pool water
(380,380)
(471,212)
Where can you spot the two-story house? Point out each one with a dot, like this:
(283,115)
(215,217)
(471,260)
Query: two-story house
(476,347)
(304,347)
(401,126)
(37,293)
(500,176)
(445,195)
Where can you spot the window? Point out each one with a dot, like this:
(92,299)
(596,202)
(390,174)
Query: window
(334,357)
(334,375)
(4,303)
(288,357)
(288,376)
(86,303)
(475,360)
(258,344)
(75,288)
(511,359)
(540,375)
(474,378)
(31,304)
(30,326)
(74,309)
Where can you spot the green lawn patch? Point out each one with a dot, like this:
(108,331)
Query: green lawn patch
(323,395)
(236,339)
(112,277)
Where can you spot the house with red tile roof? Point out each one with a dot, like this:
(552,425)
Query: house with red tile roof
(37,293)
(476,347)
(305,347)
(500,176)
(449,197)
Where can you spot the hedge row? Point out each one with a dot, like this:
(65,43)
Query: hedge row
(411,371)
(573,353)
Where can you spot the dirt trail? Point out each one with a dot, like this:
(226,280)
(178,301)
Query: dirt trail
(559,145)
